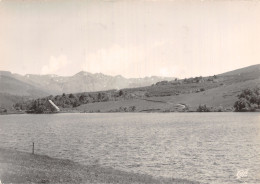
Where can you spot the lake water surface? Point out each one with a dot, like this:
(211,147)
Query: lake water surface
(205,147)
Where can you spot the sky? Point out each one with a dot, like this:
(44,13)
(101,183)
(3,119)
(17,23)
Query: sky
(132,38)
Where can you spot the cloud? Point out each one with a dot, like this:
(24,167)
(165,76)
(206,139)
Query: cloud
(130,61)
(164,72)
(55,64)
(113,60)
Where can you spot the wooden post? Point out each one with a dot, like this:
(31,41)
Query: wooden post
(33,148)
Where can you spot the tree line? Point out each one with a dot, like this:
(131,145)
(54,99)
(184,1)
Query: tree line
(248,100)
(42,105)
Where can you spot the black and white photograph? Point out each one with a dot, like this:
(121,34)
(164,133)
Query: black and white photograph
(130,91)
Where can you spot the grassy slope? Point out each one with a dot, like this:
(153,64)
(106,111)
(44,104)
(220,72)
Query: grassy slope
(20,167)
(223,96)
(140,104)
(253,69)
(8,100)
(222,92)
(15,87)
(13,90)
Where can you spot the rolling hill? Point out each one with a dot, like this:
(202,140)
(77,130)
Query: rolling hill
(13,86)
(219,92)
(35,86)
(252,70)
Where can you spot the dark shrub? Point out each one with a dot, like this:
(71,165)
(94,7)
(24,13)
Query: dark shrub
(249,100)
(203,108)
(121,93)
(71,96)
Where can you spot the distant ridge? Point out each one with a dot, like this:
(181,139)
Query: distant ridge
(248,69)
(154,92)
(51,84)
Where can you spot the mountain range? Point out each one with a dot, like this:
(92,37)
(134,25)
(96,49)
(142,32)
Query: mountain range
(216,92)
(93,93)
(13,86)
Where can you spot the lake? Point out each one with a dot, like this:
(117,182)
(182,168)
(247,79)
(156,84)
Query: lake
(205,147)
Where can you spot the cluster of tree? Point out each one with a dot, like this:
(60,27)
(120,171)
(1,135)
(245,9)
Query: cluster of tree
(3,110)
(173,82)
(193,80)
(203,108)
(199,90)
(248,100)
(125,109)
(199,79)
(190,80)
(42,105)
(162,83)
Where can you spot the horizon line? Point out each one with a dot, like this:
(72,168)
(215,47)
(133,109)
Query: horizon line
(120,75)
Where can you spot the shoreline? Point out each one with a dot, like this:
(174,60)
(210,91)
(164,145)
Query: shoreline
(161,112)
(22,167)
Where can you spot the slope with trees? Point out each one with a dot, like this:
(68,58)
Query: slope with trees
(217,92)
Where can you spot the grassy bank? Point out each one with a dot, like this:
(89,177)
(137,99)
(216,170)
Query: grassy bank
(20,167)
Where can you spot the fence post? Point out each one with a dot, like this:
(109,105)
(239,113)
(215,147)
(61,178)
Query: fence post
(33,148)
